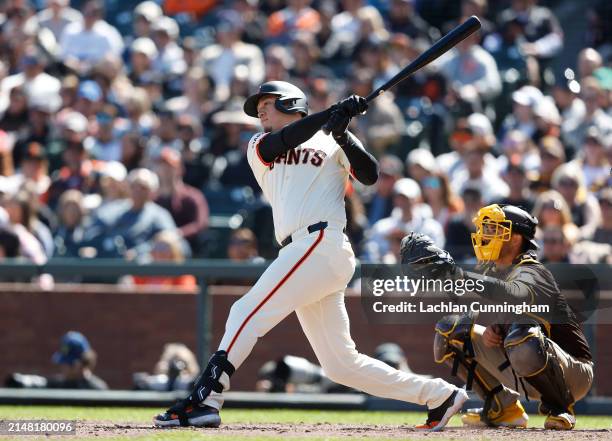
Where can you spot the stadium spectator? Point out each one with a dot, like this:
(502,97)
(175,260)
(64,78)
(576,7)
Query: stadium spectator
(143,53)
(589,60)
(420,164)
(383,124)
(557,245)
(519,193)
(145,14)
(76,360)
(552,155)
(592,160)
(403,18)
(57,16)
(112,183)
(518,150)
(127,227)
(166,247)
(83,44)
(541,30)
(169,62)
(380,203)
(22,209)
(220,59)
(409,214)
(473,132)
(278,62)
(593,96)
(460,227)
(242,246)
(176,369)
(603,232)
(551,209)
(569,181)
(438,194)
(524,102)
(34,169)
(68,235)
(186,204)
(470,66)
(297,16)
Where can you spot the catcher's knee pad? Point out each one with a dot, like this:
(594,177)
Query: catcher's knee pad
(452,334)
(209,379)
(525,348)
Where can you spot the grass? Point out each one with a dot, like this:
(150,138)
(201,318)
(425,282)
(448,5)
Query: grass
(242,416)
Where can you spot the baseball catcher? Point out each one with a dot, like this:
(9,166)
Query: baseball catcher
(303,173)
(545,358)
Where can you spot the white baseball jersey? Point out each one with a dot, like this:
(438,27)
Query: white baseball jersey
(305,185)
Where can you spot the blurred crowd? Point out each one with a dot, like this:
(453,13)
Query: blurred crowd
(122,132)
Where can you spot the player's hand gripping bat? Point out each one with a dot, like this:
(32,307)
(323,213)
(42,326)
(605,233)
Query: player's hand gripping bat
(442,46)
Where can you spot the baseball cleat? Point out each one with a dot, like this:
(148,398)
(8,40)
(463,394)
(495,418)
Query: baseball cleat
(187,414)
(513,416)
(561,421)
(440,416)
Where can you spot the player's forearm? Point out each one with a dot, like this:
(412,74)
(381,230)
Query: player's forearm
(363,164)
(498,290)
(292,135)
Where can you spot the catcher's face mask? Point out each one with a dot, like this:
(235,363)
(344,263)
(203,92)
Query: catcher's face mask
(492,230)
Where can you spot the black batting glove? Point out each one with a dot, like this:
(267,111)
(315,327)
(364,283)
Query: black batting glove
(353,105)
(338,123)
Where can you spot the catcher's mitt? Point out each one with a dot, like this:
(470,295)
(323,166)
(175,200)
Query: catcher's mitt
(421,257)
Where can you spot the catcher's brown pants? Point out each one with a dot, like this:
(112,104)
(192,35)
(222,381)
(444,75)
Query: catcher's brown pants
(578,374)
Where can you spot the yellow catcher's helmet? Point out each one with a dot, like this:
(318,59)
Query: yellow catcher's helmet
(494,226)
(492,230)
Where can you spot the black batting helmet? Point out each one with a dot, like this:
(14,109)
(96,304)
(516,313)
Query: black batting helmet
(290,98)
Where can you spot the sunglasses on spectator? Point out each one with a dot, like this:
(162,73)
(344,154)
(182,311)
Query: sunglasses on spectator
(462,136)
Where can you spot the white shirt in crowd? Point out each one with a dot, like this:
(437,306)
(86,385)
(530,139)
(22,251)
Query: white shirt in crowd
(90,45)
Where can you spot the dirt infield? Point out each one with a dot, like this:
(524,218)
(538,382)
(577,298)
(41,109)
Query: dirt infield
(324,430)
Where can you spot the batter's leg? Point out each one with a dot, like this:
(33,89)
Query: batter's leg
(326,325)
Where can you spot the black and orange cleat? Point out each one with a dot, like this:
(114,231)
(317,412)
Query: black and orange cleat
(440,416)
(185,413)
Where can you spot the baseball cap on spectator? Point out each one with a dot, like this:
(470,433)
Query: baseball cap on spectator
(391,166)
(148,10)
(234,116)
(594,134)
(145,46)
(480,125)
(47,103)
(551,146)
(407,187)
(75,122)
(527,96)
(90,90)
(166,25)
(546,109)
(114,170)
(73,346)
(423,158)
(144,177)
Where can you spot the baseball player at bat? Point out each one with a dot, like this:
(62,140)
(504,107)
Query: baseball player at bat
(303,173)
(542,357)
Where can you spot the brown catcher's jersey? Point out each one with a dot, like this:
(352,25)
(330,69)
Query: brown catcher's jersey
(560,323)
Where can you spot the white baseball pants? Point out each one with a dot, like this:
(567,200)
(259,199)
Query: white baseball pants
(309,277)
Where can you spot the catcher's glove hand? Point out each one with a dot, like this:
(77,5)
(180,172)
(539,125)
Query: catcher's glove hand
(421,257)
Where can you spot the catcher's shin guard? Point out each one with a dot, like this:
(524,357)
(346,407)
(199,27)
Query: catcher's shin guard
(529,354)
(452,344)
